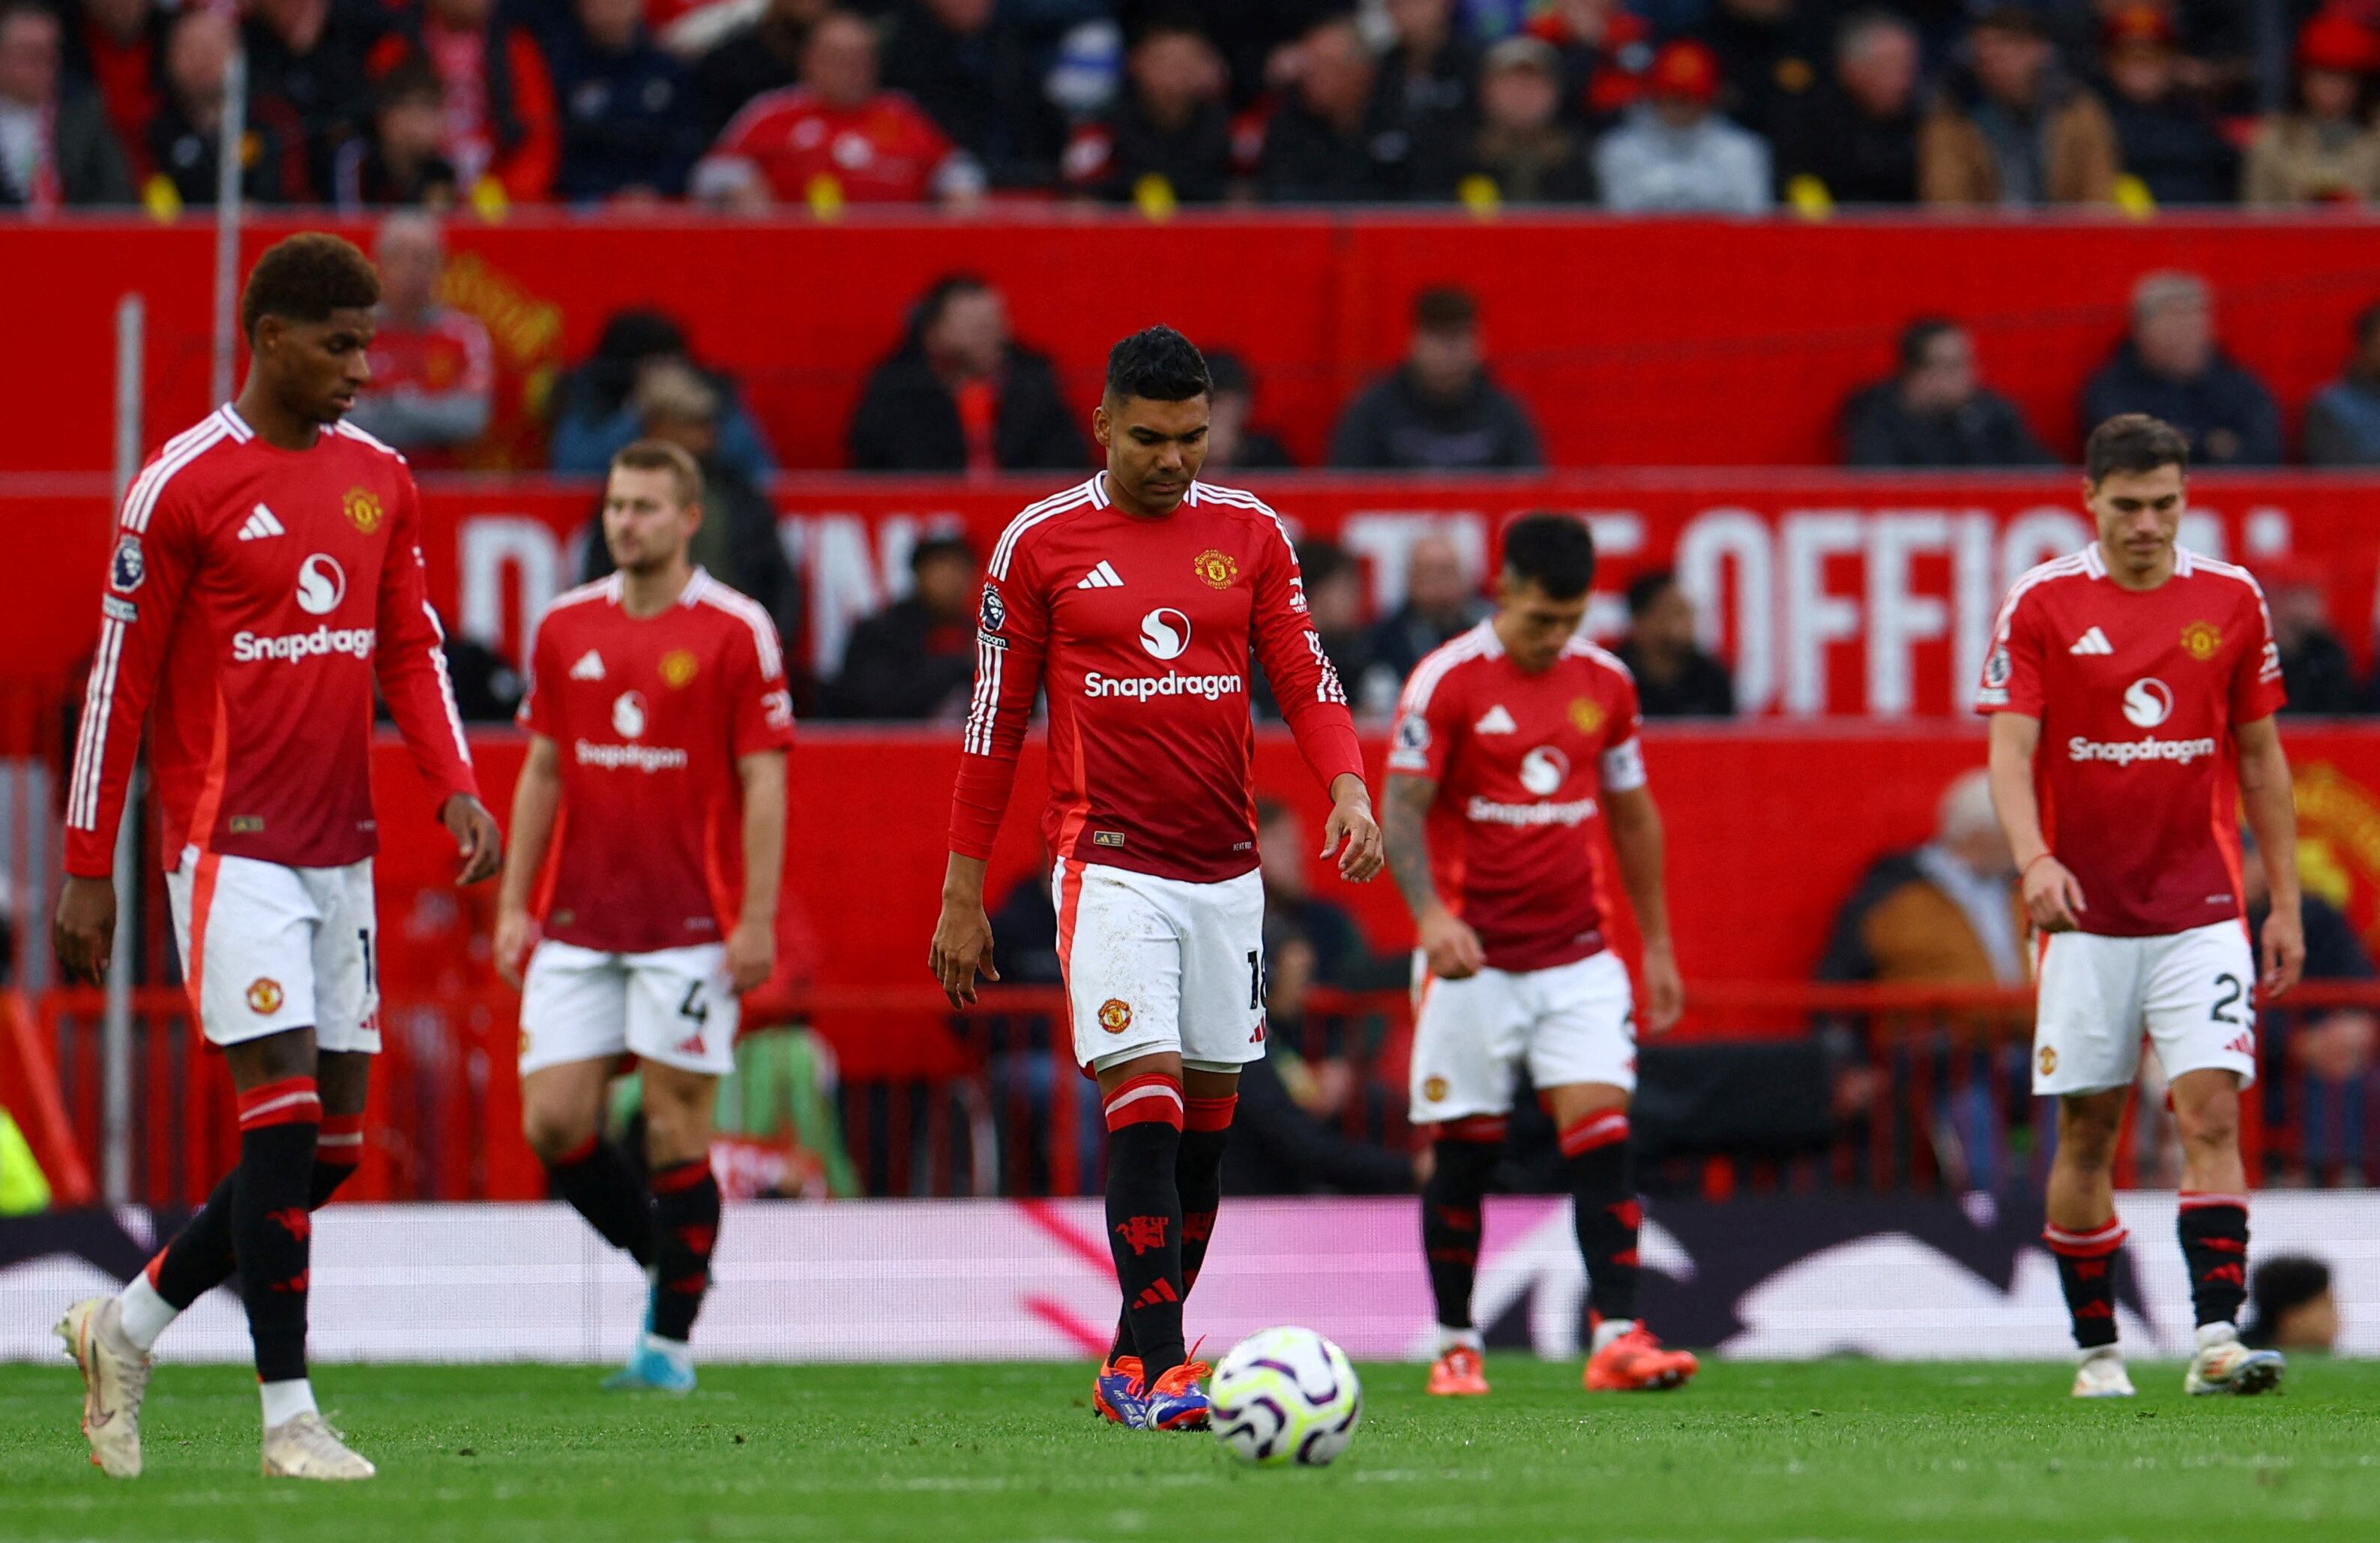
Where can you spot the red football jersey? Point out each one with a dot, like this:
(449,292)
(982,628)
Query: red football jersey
(1519,759)
(255,594)
(2138,692)
(887,151)
(649,716)
(1141,629)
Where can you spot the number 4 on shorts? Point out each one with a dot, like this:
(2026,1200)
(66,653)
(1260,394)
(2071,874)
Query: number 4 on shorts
(694,1006)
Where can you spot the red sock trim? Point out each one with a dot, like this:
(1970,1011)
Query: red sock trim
(340,1142)
(2201,1199)
(1150,1097)
(156,1263)
(1602,1128)
(579,1154)
(681,1175)
(1487,1130)
(2091,1244)
(290,1102)
(1208,1114)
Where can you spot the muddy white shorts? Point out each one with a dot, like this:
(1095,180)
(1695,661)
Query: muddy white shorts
(1573,1023)
(267,948)
(1161,965)
(673,1005)
(2193,993)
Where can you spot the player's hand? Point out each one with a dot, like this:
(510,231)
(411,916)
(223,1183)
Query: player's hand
(1450,945)
(1351,822)
(2284,953)
(751,956)
(1665,994)
(85,932)
(2053,897)
(480,843)
(961,951)
(515,935)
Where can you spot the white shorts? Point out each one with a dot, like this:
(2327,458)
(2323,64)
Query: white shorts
(673,1005)
(2194,993)
(267,948)
(1161,965)
(1573,1023)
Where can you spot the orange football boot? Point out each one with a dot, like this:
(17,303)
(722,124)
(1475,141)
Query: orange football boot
(1635,1362)
(1458,1374)
(1120,1377)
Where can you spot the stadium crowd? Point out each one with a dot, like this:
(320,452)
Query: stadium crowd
(1723,106)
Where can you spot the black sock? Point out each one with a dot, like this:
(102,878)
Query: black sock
(2214,1244)
(272,1226)
(602,1185)
(1198,1178)
(1466,1151)
(2086,1272)
(1605,1210)
(1144,1118)
(686,1212)
(200,1257)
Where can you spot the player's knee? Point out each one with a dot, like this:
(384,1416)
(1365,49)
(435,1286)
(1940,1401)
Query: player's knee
(2210,1123)
(553,1133)
(678,1127)
(2087,1137)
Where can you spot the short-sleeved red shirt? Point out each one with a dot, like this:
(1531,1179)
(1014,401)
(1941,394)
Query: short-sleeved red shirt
(650,715)
(1519,760)
(2138,693)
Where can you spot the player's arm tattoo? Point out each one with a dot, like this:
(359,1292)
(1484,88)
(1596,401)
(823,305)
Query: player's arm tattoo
(1404,815)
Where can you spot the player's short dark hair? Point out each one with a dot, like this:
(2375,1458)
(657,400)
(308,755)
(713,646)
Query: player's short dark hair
(949,545)
(1554,552)
(307,276)
(660,455)
(1647,589)
(1445,309)
(1918,337)
(1158,364)
(2281,1284)
(2135,442)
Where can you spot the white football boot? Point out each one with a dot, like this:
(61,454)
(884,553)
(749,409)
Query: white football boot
(114,1376)
(2225,1366)
(2099,1373)
(305,1446)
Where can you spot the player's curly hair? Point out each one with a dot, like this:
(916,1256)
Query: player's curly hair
(306,277)
(2133,442)
(1158,365)
(1555,551)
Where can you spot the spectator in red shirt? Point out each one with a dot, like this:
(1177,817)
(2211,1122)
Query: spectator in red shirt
(763,54)
(434,371)
(501,124)
(119,45)
(837,137)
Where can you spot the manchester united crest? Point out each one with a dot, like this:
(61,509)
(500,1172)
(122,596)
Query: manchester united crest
(1586,714)
(2199,640)
(1218,568)
(264,996)
(1433,1089)
(362,508)
(2047,1060)
(1116,1016)
(677,669)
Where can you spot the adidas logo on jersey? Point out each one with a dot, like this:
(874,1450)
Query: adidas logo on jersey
(261,523)
(1102,578)
(2092,641)
(1496,720)
(590,666)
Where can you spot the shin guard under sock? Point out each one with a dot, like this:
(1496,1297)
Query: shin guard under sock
(271,1227)
(1143,1213)
(685,1213)
(2086,1272)
(1465,1151)
(2213,1231)
(1605,1210)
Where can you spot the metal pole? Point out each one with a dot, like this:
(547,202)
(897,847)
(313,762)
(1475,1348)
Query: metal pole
(116,1023)
(228,214)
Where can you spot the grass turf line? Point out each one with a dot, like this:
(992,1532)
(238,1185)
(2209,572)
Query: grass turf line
(1838,1450)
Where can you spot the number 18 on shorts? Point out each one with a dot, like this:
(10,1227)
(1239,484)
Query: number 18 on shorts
(2193,993)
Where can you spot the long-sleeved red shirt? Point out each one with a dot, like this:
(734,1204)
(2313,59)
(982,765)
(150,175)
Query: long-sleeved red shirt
(254,596)
(1141,629)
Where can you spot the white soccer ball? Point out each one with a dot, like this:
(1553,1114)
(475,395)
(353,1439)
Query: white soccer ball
(1285,1395)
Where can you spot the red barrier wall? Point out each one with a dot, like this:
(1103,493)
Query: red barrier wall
(1831,593)
(1637,341)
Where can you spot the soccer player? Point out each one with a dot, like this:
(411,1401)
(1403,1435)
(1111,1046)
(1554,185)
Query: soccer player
(1135,597)
(2132,688)
(659,722)
(266,573)
(1507,739)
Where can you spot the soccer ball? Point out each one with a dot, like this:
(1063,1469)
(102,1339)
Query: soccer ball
(1285,1395)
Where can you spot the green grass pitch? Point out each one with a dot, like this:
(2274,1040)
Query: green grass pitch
(1834,1450)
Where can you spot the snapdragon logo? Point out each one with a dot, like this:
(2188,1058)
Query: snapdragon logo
(1173,683)
(1525,815)
(2125,752)
(634,758)
(355,642)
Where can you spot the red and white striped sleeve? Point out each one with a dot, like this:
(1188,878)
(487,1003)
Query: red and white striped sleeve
(1304,682)
(411,661)
(1012,641)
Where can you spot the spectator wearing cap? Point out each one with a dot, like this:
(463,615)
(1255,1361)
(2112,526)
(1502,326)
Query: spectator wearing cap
(1674,154)
(403,159)
(2316,670)
(961,395)
(2011,129)
(837,137)
(1520,152)
(1675,678)
(916,658)
(629,127)
(973,71)
(1853,140)
(185,134)
(1936,411)
(1333,140)
(2172,368)
(1439,411)
(761,55)
(1232,444)
(2167,139)
(433,370)
(1167,138)
(2342,422)
(2291,1306)
(56,145)
(596,415)
(1605,50)
(2326,148)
